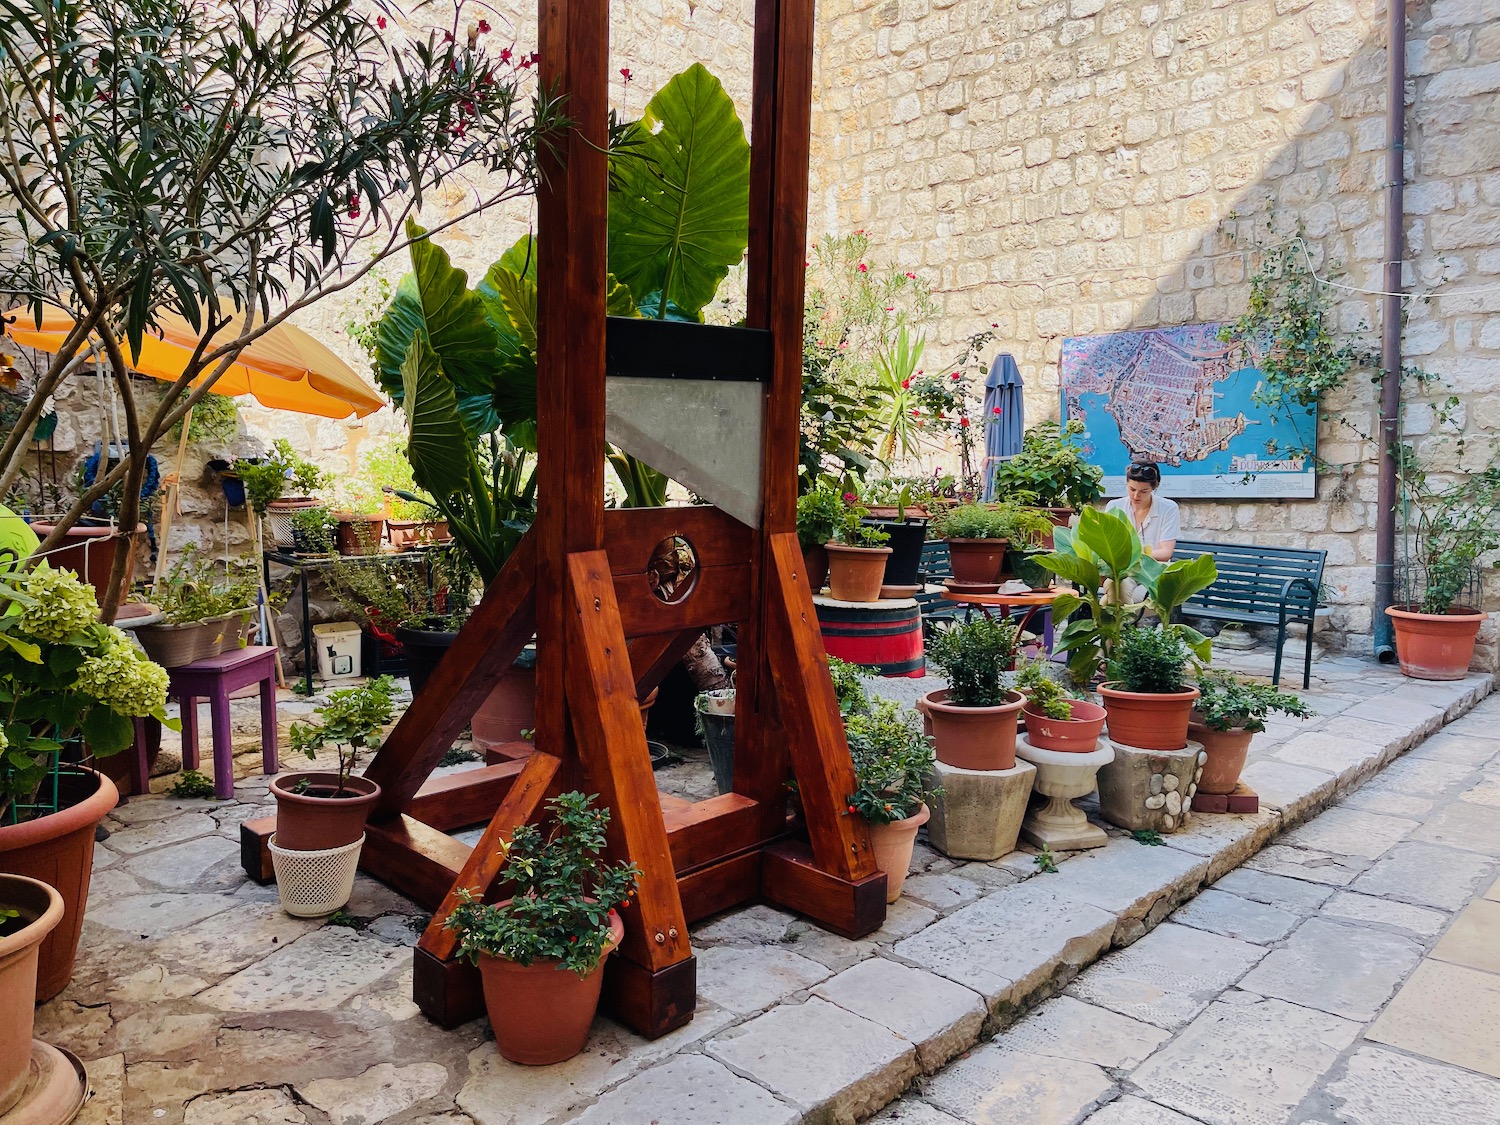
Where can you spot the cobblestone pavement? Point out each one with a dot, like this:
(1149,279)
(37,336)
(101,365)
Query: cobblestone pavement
(1347,975)
(197,1001)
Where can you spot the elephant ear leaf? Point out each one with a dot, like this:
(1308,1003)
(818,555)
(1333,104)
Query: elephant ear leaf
(521,258)
(517,296)
(679,216)
(438,444)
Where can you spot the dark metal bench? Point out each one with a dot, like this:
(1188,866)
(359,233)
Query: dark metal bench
(934,569)
(1260,586)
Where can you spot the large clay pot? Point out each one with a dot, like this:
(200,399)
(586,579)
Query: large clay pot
(1148,720)
(359,535)
(1435,646)
(510,707)
(405,535)
(1076,735)
(40,909)
(893,844)
(977,562)
(541,1013)
(855,574)
(90,552)
(1226,750)
(315,820)
(815,561)
(973,738)
(58,849)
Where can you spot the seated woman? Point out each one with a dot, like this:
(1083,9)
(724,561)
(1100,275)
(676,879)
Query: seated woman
(1154,517)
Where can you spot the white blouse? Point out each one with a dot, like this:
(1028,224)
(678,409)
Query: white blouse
(1161,525)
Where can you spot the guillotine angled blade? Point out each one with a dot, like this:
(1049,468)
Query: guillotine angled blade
(704,434)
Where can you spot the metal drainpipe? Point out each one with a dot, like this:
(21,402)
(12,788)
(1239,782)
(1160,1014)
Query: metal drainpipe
(1390,328)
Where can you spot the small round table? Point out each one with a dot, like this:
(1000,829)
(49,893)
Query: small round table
(1031,601)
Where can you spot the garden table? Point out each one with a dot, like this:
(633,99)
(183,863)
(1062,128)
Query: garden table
(1032,601)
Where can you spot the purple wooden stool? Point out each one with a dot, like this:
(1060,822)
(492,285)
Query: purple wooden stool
(215,679)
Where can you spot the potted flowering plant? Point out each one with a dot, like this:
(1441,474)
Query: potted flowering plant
(819,514)
(892,769)
(64,679)
(1229,713)
(267,481)
(856,555)
(541,952)
(974,718)
(359,510)
(205,608)
(1053,471)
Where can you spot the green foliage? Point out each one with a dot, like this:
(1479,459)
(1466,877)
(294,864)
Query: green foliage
(852,531)
(679,210)
(561,893)
(971,655)
(313,530)
(192,785)
(643,486)
(1150,837)
(990,521)
(1453,521)
(848,686)
(820,512)
(1050,470)
(386,467)
(269,477)
(1227,702)
(1046,862)
(1045,693)
(1147,659)
(198,588)
(216,421)
(63,675)
(382,594)
(351,722)
(895,368)
(892,762)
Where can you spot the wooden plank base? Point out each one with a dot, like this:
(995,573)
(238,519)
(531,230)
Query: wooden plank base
(790,877)
(650,1004)
(448,992)
(255,851)
(1242,800)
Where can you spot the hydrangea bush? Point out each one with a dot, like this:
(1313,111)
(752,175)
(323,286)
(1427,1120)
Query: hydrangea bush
(63,675)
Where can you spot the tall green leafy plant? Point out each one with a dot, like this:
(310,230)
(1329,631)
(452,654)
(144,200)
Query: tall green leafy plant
(895,368)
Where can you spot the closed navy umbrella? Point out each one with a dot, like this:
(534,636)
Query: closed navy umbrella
(1004,416)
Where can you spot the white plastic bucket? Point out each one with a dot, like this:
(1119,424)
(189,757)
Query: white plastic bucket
(312,884)
(337,644)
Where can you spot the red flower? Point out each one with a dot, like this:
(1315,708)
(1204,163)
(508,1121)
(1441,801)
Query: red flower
(380,22)
(505,54)
(956,376)
(484,27)
(862,268)
(625,74)
(916,413)
(911,276)
(851,808)
(906,383)
(997,410)
(963,422)
(850,498)
(447,37)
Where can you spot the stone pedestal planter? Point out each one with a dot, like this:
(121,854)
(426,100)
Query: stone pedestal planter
(1054,821)
(978,814)
(1150,789)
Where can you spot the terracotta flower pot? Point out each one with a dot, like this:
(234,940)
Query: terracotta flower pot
(1148,720)
(977,562)
(407,534)
(1077,735)
(510,707)
(58,849)
(541,1013)
(815,560)
(41,909)
(316,820)
(973,738)
(1435,646)
(359,535)
(893,844)
(90,552)
(855,574)
(1226,750)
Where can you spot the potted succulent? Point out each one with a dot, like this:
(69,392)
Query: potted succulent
(1147,697)
(974,718)
(1052,471)
(64,679)
(321,811)
(267,481)
(1229,713)
(978,535)
(892,768)
(1055,718)
(856,555)
(541,952)
(29,911)
(714,719)
(820,512)
(1451,527)
(206,609)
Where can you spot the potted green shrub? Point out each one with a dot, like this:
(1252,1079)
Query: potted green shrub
(1056,719)
(1451,525)
(1052,471)
(906,532)
(713,714)
(279,485)
(29,911)
(320,811)
(856,555)
(1229,713)
(977,537)
(358,508)
(541,951)
(64,679)
(206,609)
(1147,697)
(974,718)
(892,768)
(313,530)
(820,512)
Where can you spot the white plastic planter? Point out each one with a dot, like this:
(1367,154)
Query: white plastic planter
(313,884)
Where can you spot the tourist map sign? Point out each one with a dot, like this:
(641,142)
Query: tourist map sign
(1175,396)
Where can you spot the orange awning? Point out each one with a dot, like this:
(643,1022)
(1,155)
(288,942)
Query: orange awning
(286,369)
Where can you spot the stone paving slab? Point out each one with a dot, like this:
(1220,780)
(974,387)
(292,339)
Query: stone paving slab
(941,1018)
(1350,971)
(1387,1088)
(999,1086)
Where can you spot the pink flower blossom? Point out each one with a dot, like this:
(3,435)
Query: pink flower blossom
(625,74)
(380,22)
(862,268)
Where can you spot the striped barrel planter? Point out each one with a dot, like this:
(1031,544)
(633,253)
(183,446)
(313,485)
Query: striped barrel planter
(885,637)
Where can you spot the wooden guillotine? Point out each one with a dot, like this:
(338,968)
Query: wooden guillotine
(605,634)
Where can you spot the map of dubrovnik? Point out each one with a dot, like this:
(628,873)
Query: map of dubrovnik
(1176,397)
